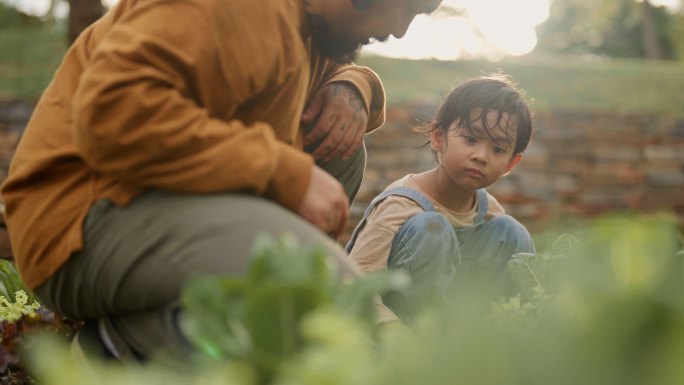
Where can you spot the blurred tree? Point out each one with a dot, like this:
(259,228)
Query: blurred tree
(678,35)
(619,28)
(82,13)
(11,17)
(652,46)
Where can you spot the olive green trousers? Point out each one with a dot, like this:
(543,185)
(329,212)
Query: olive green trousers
(136,259)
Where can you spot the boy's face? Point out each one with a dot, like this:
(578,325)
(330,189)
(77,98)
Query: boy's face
(475,158)
(344,28)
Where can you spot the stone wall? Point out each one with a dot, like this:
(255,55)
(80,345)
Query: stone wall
(581,164)
(13,119)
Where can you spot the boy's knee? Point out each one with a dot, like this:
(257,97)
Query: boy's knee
(426,238)
(512,232)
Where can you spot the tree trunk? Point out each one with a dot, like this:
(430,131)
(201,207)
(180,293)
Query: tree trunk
(82,13)
(652,48)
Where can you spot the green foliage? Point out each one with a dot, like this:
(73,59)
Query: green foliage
(602,307)
(11,283)
(29,55)
(21,316)
(612,28)
(566,83)
(14,310)
(11,17)
(256,318)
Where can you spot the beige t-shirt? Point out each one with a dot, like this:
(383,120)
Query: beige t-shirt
(374,242)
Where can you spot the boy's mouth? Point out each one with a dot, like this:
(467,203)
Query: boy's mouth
(474,173)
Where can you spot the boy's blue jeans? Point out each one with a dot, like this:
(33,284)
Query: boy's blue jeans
(442,260)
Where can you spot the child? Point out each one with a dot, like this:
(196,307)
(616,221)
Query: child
(441,225)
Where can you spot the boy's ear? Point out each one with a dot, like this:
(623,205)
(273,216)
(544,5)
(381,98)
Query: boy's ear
(437,139)
(512,163)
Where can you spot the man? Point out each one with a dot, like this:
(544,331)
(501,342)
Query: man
(170,139)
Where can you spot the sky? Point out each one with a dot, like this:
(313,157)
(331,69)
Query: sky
(484,34)
(489,32)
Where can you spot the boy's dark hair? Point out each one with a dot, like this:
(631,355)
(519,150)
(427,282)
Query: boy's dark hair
(490,93)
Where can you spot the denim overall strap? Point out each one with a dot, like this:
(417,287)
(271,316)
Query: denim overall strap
(482,206)
(412,194)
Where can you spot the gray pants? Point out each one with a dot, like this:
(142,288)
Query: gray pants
(136,259)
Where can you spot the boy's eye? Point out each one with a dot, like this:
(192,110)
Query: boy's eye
(499,150)
(471,139)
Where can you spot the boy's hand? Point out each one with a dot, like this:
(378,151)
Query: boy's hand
(340,119)
(325,203)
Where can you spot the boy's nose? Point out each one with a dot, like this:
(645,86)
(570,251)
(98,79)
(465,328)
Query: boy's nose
(479,154)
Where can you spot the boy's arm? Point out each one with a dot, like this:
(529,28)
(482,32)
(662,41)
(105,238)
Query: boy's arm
(372,247)
(373,244)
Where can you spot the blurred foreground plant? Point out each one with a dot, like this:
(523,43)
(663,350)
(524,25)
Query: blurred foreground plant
(603,307)
(21,316)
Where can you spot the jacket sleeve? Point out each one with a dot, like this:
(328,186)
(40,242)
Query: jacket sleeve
(140,113)
(366,81)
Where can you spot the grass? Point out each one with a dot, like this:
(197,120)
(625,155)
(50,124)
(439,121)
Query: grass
(571,83)
(29,56)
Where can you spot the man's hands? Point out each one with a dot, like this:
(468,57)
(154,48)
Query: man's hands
(340,119)
(325,204)
(334,124)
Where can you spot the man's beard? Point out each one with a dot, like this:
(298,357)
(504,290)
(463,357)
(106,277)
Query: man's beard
(336,48)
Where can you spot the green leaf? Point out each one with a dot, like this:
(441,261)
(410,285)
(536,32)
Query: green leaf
(358,298)
(525,270)
(273,315)
(282,260)
(214,310)
(566,244)
(10,281)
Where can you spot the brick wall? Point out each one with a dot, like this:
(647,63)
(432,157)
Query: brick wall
(582,164)
(578,163)
(13,119)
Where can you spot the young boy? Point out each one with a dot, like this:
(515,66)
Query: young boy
(441,226)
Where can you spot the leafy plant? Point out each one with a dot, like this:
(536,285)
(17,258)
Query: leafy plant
(11,283)
(256,318)
(608,312)
(14,311)
(20,317)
